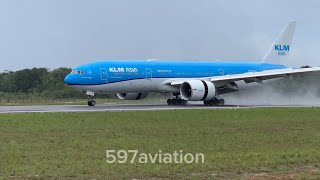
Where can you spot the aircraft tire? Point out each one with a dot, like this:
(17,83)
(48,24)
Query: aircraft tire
(214,102)
(221,102)
(91,103)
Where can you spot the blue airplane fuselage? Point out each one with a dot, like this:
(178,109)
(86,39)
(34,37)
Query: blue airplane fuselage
(116,71)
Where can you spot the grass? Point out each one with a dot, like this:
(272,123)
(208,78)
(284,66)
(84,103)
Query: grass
(236,143)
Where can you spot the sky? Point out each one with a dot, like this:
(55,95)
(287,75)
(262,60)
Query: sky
(68,33)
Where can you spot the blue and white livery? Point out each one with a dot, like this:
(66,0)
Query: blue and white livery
(185,80)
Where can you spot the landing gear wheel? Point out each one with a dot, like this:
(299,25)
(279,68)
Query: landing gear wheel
(183,102)
(177,102)
(91,103)
(174,102)
(221,102)
(209,103)
(214,102)
(90,96)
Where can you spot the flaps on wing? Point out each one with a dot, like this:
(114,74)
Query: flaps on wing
(250,77)
(263,75)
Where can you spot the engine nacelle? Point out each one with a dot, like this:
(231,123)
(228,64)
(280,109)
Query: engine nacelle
(197,90)
(132,96)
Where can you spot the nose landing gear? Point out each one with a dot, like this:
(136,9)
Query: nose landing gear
(91,101)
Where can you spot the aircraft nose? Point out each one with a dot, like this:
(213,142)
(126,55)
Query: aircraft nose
(68,79)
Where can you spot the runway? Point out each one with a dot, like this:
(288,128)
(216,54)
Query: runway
(122,107)
(100,108)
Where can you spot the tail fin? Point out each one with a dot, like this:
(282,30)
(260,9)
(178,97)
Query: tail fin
(281,48)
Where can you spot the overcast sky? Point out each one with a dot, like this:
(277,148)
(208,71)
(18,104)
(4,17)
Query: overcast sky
(68,33)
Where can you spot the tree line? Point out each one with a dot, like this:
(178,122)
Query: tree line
(37,82)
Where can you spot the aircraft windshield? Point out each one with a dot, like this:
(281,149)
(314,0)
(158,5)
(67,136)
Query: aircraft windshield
(77,72)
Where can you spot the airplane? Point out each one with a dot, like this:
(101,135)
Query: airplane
(184,80)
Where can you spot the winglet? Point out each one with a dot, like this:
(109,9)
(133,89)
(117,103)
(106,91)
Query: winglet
(281,47)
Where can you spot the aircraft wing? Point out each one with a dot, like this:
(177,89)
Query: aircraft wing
(255,76)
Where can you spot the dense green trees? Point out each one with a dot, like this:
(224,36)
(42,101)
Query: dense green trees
(37,82)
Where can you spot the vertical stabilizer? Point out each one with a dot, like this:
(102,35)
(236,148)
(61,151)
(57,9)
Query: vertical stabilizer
(281,48)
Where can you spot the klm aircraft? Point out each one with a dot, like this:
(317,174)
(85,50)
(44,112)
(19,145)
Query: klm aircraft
(185,80)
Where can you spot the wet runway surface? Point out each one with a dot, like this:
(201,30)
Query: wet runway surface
(117,107)
(100,108)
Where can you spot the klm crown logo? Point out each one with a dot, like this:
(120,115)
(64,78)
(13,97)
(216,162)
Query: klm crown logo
(282,49)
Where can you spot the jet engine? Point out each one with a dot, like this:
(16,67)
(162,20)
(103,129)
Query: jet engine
(197,90)
(132,96)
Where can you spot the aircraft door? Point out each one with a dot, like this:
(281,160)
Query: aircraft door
(221,72)
(148,73)
(104,74)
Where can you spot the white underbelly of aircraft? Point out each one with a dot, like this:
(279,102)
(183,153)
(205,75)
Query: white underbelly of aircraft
(139,85)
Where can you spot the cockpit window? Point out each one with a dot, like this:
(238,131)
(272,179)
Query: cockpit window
(77,72)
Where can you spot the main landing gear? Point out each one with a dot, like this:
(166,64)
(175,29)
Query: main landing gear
(91,101)
(214,102)
(176,101)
